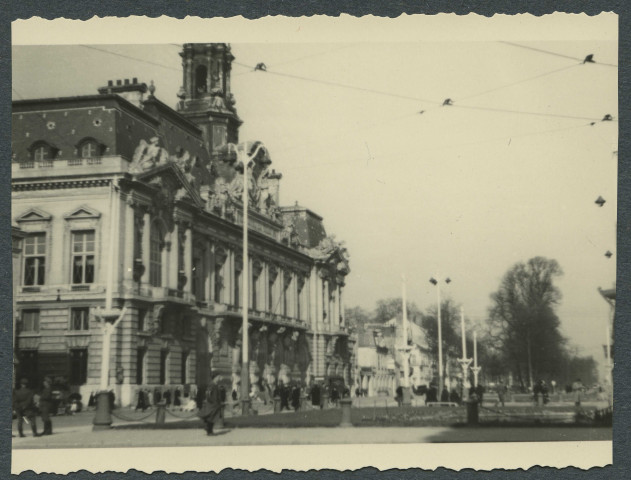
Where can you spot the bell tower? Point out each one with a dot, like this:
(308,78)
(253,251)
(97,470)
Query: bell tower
(205,96)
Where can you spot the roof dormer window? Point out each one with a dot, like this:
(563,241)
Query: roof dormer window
(89,148)
(41,151)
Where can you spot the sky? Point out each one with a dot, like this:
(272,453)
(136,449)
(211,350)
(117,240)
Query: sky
(510,171)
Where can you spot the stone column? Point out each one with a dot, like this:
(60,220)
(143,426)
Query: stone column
(146,246)
(188,258)
(319,304)
(335,320)
(130,231)
(209,268)
(174,257)
(326,302)
(313,295)
(230,275)
(342,312)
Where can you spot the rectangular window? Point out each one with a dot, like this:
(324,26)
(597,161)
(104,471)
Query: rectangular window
(255,294)
(184,367)
(34,259)
(83,257)
(141,355)
(199,284)
(164,366)
(80,318)
(220,134)
(218,282)
(237,287)
(30,320)
(28,367)
(142,319)
(78,366)
(155,257)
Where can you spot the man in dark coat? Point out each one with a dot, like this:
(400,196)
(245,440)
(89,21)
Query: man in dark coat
(315,395)
(24,407)
(211,408)
(284,395)
(295,397)
(46,405)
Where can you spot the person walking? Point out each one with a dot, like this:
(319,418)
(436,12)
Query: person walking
(577,388)
(211,408)
(295,398)
(501,393)
(46,406)
(24,407)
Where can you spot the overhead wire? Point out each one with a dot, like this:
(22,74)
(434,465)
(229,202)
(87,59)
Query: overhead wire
(129,57)
(548,52)
(294,60)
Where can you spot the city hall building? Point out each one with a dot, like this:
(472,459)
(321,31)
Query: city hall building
(120,199)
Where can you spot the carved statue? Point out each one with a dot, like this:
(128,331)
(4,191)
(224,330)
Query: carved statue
(148,155)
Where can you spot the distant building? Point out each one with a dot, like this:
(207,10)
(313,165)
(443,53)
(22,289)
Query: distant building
(376,371)
(420,365)
(118,194)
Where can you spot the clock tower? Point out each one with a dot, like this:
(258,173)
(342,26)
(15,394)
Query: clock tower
(205,96)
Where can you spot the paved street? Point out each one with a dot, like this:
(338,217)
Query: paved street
(75,431)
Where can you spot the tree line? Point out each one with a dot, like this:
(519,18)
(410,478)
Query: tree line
(520,338)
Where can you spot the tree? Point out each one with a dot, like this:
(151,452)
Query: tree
(523,324)
(393,307)
(356,318)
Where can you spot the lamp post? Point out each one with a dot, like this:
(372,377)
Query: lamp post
(475,369)
(464,361)
(441,386)
(109,318)
(405,351)
(245,159)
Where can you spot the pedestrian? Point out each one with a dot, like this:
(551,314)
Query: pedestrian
(142,401)
(577,388)
(536,391)
(295,398)
(399,395)
(211,408)
(454,397)
(335,396)
(544,392)
(283,391)
(479,390)
(25,407)
(315,395)
(46,405)
(501,393)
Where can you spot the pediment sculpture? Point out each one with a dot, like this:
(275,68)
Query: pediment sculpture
(148,155)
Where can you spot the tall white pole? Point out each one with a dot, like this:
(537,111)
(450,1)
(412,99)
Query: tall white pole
(476,369)
(440,344)
(245,368)
(404,352)
(464,338)
(475,348)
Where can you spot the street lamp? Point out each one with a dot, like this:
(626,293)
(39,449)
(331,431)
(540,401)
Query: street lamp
(464,361)
(441,386)
(109,317)
(405,352)
(245,159)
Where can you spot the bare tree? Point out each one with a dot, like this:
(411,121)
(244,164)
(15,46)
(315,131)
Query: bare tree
(523,322)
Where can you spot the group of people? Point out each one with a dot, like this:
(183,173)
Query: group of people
(147,398)
(26,405)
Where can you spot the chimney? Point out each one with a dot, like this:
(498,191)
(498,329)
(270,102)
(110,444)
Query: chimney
(133,91)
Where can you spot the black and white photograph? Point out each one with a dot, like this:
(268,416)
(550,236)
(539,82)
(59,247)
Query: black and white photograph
(343,236)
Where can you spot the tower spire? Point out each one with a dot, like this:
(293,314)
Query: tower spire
(205,96)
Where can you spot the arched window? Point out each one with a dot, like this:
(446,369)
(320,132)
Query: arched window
(41,151)
(89,148)
(156,244)
(201,79)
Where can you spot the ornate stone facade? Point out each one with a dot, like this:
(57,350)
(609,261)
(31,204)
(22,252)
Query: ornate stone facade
(164,195)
